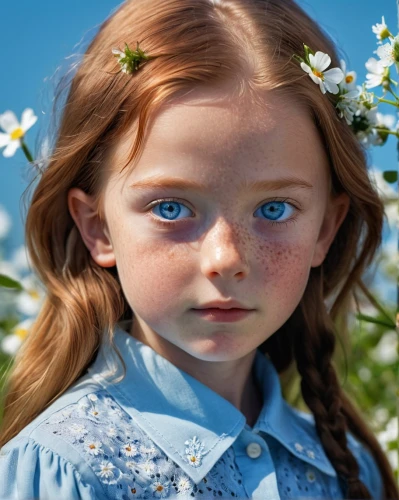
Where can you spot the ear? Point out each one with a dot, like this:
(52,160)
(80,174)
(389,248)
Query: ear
(95,236)
(334,216)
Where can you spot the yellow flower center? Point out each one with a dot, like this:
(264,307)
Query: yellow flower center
(349,79)
(128,448)
(193,459)
(92,446)
(17,133)
(384,33)
(21,332)
(159,487)
(133,490)
(317,73)
(34,294)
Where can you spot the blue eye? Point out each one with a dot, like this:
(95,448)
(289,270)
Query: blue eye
(170,208)
(275,209)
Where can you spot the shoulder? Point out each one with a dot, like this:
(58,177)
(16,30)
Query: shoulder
(97,442)
(31,470)
(369,471)
(39,460)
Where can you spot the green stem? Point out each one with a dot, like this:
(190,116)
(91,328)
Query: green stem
(386,131)
(26,151)
(392,92)
(388,102)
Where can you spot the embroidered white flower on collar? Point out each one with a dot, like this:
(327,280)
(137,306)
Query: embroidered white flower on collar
(194,451)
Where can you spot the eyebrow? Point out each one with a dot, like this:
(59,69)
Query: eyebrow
(159,182)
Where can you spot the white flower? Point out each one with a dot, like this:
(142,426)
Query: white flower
(12,342)
(148,466)
(148,448)
(327,80)
(125,68)
(298,447)
(387,51)
(5,223)
(310,453)
(14,131)
(107,472)
(160,487)
(194,451)
(381,31)
(30,299)
(348,105)
(111,432)
(130,450)
(183,484)
(93,446)
(78,430)
(376,73)
(349,80)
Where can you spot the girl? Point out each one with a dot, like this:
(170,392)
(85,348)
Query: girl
(179,288)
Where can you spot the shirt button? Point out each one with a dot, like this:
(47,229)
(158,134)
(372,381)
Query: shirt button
(254,450)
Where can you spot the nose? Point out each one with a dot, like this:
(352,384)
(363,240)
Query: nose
(222,252)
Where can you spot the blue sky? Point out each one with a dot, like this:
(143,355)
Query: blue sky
(36,37)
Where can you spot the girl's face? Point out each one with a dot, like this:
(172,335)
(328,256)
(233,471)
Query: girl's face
(226,231)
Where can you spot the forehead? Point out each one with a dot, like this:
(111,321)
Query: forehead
(206,129)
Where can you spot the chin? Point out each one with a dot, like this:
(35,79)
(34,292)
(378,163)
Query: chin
(218,348)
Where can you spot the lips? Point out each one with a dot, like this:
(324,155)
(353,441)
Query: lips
(222,315)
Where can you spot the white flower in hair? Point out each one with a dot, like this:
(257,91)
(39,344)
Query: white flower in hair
(381,31)
(349,80)
(14,130)
(327,80)
(347,105)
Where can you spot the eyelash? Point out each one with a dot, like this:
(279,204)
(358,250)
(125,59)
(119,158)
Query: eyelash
(169,224)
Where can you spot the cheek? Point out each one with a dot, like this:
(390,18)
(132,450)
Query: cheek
(152,274)
(285,268)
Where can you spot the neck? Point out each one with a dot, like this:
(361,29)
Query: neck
(232,380)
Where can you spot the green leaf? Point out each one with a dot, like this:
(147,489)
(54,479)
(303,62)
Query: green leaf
(391,176)
(7,282)
(370,319)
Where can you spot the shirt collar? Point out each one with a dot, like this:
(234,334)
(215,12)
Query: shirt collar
(192,424)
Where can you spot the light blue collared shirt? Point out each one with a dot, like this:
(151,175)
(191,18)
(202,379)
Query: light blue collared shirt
(161,433)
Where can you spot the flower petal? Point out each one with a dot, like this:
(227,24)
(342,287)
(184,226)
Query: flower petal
(28,119)
(8,121)
(315,78)
(331,87)
(320,60)
(306,68)
(334,75)
(11,148)
(374,66)
(4,140)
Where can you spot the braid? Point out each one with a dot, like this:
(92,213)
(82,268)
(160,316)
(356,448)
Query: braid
(313,349)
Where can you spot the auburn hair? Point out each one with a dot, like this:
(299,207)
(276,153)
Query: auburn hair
(197,43)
